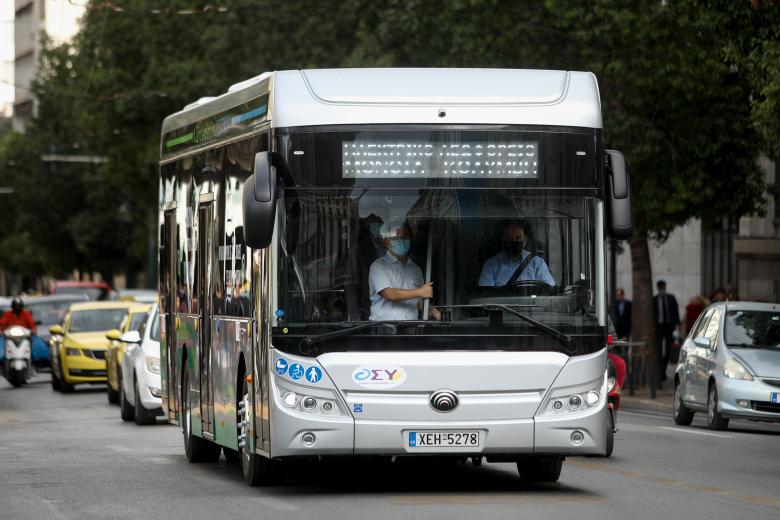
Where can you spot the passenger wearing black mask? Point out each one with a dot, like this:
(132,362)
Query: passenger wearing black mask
(501,268)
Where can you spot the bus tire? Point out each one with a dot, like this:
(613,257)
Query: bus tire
(540,469)
(610,434)
(196,448)
(257,470)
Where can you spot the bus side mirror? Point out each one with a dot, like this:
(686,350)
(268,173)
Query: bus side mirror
(619,216)
(259,203)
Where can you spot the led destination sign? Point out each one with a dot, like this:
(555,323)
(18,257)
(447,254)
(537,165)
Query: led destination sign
(463,159)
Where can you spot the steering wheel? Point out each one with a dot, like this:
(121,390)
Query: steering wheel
(529,285)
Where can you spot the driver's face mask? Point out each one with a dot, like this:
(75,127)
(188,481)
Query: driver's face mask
(513,247)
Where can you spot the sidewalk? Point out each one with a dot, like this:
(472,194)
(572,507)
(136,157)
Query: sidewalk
(641,398)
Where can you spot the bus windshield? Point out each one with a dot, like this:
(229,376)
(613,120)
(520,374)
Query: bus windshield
(536,249)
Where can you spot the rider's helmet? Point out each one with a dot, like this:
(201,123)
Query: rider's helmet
(17,305)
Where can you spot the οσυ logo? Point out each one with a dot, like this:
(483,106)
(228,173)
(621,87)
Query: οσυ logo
(384,376)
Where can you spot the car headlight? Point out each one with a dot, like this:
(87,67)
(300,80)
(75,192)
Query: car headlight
(736,370)
(73,351)
(153,364)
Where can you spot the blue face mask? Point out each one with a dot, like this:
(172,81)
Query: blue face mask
(400,246)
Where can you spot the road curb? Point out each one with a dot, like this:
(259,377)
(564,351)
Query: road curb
(656,405)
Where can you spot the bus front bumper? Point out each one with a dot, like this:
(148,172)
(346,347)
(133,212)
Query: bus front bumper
(583,433)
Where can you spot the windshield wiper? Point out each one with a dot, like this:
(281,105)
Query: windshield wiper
(567,341)
(306,344)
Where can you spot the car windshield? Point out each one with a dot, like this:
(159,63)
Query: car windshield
(137,321)
(154,333)
(95,320)
(757,329)
(49,313)
(93,293)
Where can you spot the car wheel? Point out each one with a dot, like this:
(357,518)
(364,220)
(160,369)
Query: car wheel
(610,434)
(142,415)
(55,380)
(257,470)
(113,395)
(714,419)
(196,448)
(540,469)
(682,414)
(65,387)
(126,410)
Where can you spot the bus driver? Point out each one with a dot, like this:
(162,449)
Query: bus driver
(395,282)
(514,262)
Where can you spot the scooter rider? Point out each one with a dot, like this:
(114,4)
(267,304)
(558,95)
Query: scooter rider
(18,315)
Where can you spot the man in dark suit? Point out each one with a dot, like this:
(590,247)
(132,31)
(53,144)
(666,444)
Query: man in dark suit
(667,317)
(621,314)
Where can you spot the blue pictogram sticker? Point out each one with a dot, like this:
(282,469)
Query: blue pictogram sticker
(296,371)
(412,439)
(313,374)
(357,407)
(281,366)
(280,313)
(775,397)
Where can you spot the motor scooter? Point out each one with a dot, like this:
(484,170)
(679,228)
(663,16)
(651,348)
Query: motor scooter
(616,375)
(18,355)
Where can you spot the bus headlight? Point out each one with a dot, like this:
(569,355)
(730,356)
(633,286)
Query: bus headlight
(309,401)
(575,399)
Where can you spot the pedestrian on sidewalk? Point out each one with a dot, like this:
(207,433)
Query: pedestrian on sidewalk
(621,314)
(693,310)
(667,317)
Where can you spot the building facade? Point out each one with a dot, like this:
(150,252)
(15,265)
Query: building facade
(59,21)
(741,257)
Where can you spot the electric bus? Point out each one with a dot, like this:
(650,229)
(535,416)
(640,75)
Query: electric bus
(281,204)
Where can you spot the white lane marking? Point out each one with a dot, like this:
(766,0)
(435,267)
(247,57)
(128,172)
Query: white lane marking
(275,503)
(695,432)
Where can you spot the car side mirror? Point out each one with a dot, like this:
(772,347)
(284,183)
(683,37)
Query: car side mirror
(259,202)
(113,335)
(56,330)
(131,336)
(702,342)
(618,184)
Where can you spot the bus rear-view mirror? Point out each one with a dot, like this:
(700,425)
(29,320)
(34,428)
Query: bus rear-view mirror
(259,203)
(619,216)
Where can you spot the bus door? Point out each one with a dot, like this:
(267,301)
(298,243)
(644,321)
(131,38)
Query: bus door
(204,267)
(168,294)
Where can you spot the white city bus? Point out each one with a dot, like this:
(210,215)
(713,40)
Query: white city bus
(275,202)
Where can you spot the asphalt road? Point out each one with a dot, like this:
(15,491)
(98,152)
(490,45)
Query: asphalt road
(70,456)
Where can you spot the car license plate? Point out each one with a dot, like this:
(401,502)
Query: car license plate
(440,439)
(774,397)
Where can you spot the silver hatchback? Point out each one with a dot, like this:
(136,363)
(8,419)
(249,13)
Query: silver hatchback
(730,365)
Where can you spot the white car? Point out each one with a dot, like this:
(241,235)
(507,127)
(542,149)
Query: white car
(139,391)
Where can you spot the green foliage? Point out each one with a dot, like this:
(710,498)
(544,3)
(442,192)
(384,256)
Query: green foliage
(690,93)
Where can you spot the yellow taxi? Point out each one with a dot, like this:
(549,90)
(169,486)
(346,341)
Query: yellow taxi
(133,320)
(79,345)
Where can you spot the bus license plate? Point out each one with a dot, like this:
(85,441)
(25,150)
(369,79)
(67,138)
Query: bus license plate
(443,439)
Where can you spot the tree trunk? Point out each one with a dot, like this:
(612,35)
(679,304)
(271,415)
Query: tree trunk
(642,315)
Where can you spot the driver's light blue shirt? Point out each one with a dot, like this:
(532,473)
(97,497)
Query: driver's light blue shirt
(498,269)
